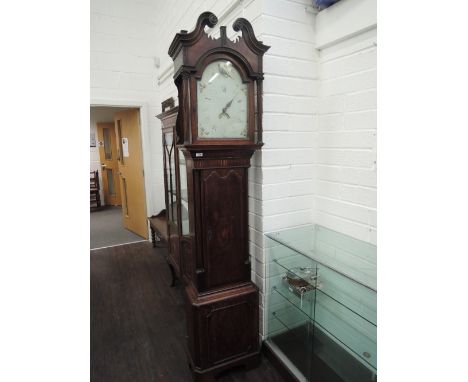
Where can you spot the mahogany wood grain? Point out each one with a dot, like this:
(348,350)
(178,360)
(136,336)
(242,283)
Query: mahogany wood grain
(221,301)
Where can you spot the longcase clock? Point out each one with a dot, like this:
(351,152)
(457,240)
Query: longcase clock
(218,128)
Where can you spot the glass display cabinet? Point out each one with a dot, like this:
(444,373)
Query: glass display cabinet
(184,217)
(171,178)
(321,300)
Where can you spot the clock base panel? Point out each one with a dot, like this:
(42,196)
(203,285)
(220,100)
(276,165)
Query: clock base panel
(222,330)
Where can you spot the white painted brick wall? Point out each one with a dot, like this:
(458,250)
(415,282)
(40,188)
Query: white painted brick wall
(286,165)
(318,162)
(124,42)
(346,155)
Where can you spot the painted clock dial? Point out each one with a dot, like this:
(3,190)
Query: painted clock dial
(222,102)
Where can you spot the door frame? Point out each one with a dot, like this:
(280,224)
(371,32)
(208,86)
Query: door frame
(145,141)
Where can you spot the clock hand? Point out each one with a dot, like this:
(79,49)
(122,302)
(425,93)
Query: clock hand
(223,112)
(228,105)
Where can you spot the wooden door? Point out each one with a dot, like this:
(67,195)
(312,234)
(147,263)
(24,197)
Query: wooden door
(224,222)
(127,130)
(109,165)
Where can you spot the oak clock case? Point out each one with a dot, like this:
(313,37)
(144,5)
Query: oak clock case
(218,129)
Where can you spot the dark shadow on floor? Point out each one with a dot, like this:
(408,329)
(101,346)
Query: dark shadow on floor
(138,331)
(107,228)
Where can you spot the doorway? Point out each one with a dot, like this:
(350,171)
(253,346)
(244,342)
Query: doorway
(116,154)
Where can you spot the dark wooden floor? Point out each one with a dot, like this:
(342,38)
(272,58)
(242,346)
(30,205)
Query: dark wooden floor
(137,321)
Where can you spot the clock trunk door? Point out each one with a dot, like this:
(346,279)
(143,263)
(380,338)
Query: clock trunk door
(224,222)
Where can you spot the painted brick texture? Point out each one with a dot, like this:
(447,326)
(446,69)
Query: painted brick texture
(319,159)
(346,149)
(124,43)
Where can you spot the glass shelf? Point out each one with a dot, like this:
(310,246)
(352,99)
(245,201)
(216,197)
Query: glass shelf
(339,304)
(292,264)
(304,304)
(331,249)
(345,326)
(359,300)
(287,320)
